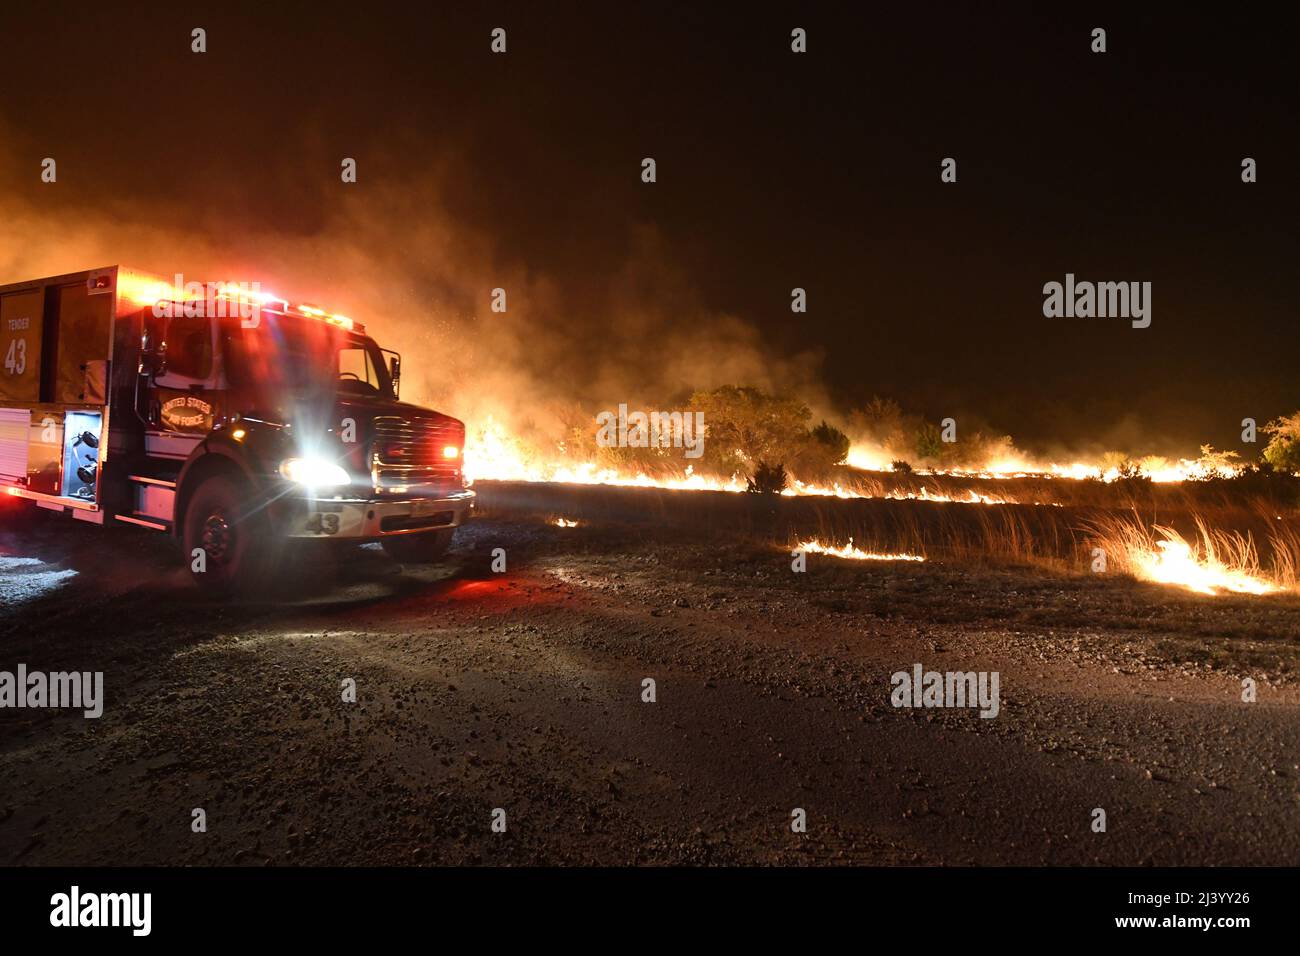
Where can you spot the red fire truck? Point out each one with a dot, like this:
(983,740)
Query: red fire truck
(231,419)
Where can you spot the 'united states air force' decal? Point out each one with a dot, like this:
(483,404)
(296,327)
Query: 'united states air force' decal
(187,413)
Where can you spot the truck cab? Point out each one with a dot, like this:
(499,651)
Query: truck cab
(242,424)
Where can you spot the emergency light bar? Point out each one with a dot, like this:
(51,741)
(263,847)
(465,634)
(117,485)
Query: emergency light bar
(261,298)
(310,311)
(160,293)
(331,317)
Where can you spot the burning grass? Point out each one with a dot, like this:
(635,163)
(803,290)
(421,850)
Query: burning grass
(1210,525)
(1153,485)
(1213,561)
(1249,548)
(854,553)
(745,439)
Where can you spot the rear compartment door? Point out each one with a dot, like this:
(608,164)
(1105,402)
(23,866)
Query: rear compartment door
(20,346)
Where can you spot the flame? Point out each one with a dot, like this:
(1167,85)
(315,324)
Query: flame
(493,454)
(1216,563)
(969,498)
(868,459)
(1154,467)
(1212,563)
(1205,570)
(857,554)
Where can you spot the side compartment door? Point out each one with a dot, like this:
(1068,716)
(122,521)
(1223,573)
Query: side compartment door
(14,423)
(85,318)
(21,317)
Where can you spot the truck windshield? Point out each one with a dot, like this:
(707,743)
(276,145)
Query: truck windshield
(285,352)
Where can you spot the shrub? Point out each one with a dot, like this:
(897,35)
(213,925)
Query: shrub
(767,479)
(834,440)
(929,443)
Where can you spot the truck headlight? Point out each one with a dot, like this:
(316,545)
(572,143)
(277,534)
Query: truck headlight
(314,472)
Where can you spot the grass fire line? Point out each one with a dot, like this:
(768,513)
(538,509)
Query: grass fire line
(1256,557)
(1226,526)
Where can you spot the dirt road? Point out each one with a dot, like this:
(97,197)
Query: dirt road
(523,691)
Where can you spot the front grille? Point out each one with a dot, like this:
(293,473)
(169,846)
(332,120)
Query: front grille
(438,519)
(407,453)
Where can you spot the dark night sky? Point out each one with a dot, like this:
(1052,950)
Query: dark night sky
(775,171)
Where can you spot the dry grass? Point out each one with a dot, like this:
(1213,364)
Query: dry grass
(1134,525)
(1211,561)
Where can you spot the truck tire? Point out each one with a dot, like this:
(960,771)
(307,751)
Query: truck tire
(235,536)
(420,548)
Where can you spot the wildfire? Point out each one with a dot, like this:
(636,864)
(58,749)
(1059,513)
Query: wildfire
(850,551)
(969,498)
(1154,467)
(1217,562)
(1214,563)
(867,459)
(492,454)
(1201,570)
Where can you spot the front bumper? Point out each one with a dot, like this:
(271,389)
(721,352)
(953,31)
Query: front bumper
(372,520)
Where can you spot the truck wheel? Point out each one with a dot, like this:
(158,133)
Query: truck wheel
(238,547)
(419,548)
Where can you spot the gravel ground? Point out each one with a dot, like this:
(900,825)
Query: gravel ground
(522,691)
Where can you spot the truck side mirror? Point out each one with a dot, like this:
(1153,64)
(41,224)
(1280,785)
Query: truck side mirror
(395,372)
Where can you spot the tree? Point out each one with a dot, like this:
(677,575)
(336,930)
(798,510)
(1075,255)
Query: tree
(881,424)
(744,426)
(1218,462)
(1283,449)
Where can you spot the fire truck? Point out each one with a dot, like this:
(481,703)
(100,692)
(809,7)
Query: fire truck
(232,420)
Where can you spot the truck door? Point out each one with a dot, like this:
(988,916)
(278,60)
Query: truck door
(185,398)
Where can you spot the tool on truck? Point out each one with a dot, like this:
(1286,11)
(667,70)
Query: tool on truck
(230,419)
